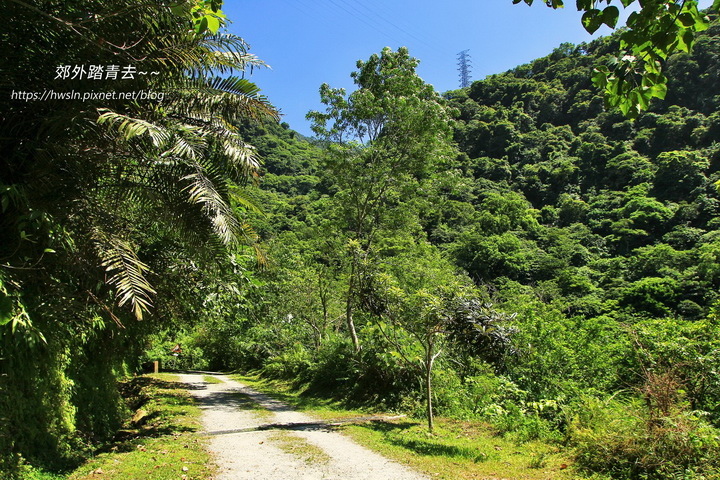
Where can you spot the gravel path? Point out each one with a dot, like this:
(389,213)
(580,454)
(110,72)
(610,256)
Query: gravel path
(301,449)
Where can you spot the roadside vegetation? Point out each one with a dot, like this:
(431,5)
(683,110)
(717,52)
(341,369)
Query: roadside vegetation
(550,273)
(456,450)
(159,440)
(162,440)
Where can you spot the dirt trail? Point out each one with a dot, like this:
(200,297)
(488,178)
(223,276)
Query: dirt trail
(301,449)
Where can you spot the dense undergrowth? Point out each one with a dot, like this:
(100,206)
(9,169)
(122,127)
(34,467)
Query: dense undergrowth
(156,438)
(160,442)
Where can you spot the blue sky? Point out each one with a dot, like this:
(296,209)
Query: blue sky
(310,42)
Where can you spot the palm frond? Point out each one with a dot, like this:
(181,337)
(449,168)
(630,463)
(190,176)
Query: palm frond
(253,240)
(227,52)
(243,158)
(202,191)
(133,127)
(127,275)
(231,98)
(238,86)
(188,143)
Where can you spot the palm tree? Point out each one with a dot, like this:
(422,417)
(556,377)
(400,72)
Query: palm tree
(92,167)
(109,204)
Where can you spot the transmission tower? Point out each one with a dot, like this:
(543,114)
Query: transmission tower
(464,67)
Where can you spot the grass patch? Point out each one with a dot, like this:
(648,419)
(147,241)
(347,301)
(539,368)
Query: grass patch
(211,379)
(457,449)
(35,474)
(161,443)
(299,447)
(463,450)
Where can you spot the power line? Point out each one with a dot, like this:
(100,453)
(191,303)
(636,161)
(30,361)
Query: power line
(358,16)
(394,25)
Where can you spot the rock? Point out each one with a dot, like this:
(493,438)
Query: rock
(140,417)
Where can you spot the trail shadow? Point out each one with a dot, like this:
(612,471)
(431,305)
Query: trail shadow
(388,427)
(436,449)
(299,426)
(233,399)
(397,434)
(278,402)
(267,402)
(320,425)
(239,400)
(242,398)
(196,372)
(136,385)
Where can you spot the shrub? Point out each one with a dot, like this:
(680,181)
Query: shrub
(690,349)
(521,425)
(333,369)
(653,438)
(289,364)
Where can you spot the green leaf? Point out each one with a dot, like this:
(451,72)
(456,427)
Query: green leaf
(685,41)
(642,99)
(201,26)
(591,20)
(716,6)
(583,5)
(686,19)
(213,23)
(610,16)
(663,42)
(702,22)
(659,90)
(673,9)
(5,309)
(633,18)
(626,3)
(600,77)
(653,67)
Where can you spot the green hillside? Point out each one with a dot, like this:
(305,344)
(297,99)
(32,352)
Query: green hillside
(599,234)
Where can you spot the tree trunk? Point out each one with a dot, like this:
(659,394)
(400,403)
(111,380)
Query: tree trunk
(428,388)
(323,292)
(349,310)
(351,326)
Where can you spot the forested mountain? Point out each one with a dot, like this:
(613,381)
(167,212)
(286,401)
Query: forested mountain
(591,243)
(613,217)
